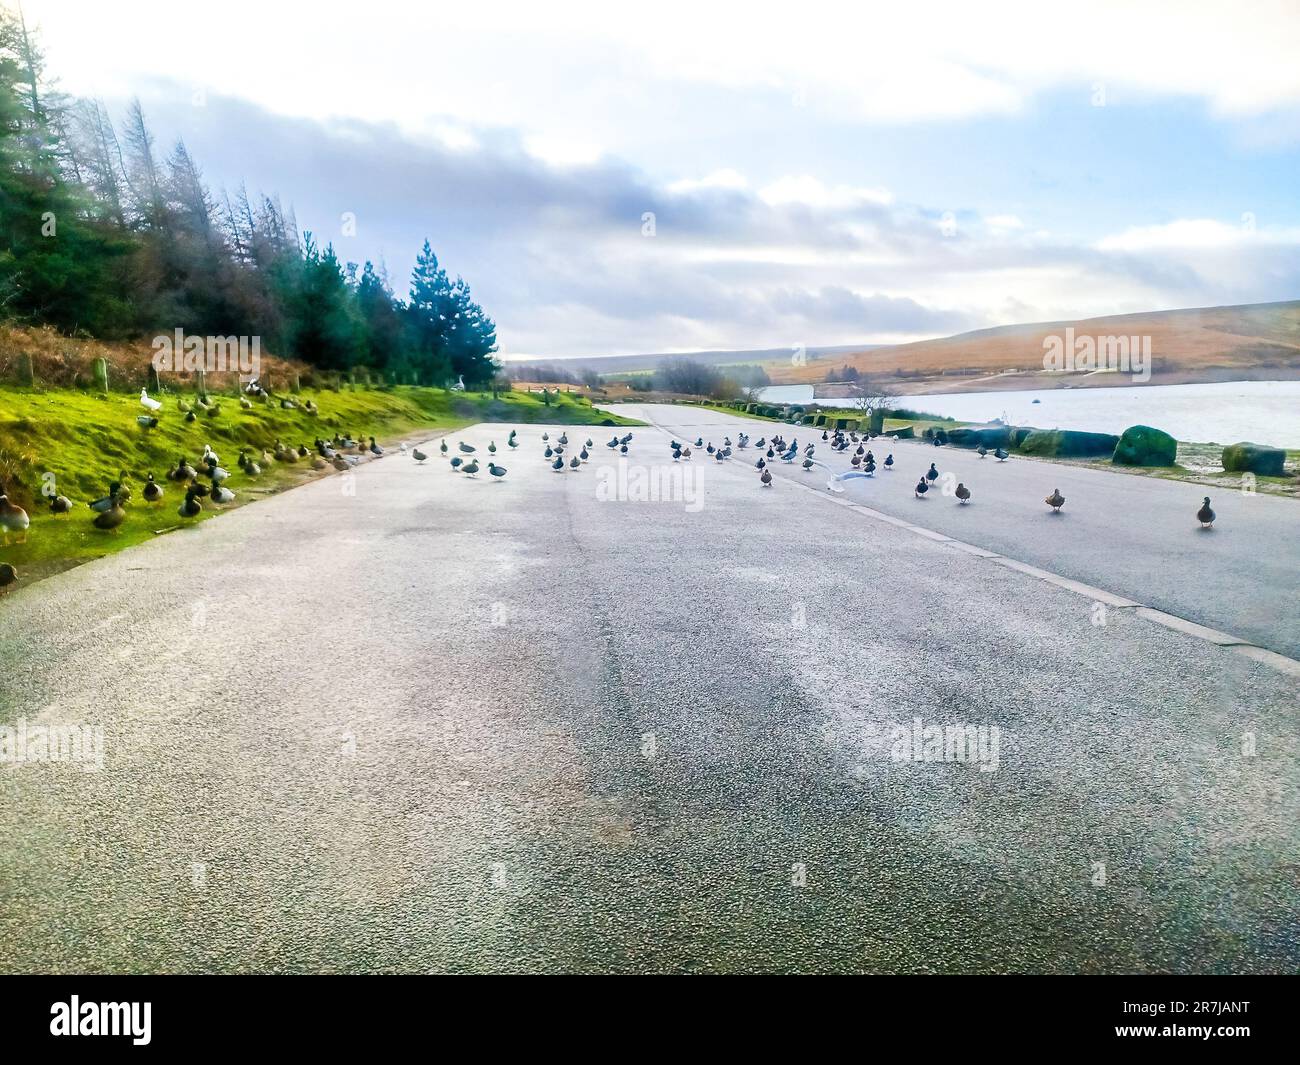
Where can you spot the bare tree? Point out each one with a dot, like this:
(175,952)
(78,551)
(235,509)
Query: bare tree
(870,399)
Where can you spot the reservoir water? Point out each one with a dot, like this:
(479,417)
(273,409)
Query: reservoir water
(1265,412)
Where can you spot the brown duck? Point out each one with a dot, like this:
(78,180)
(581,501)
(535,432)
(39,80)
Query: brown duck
(1056,501)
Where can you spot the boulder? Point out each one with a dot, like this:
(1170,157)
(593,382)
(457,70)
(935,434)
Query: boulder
(1254,458)
(1067,443)
(1142,445)
(906,432)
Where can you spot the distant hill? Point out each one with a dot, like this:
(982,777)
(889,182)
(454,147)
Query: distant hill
(612,364)
(1259,341)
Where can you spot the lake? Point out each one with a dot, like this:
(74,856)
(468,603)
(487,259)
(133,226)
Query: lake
(1222,412)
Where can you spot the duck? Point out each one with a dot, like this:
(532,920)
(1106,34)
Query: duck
(766,478)
(13,519)
(760,463)
(932,474)
(146,421)
(215,473)
(182,471)
(341,464)
(191,418)
(495,470)
(466,449)
(245,403)
(190,507)
(1205,515)
(1000,455)
(699,442)
(199,488)
(8,575)
(1056,501)
(686,454)
(418,455)
(146,402)
(210,456)
(807,464)
(221,494)
(153,492)
(456,464)
(375,449)
(869,466)
(512,443)
(575,463)
(112,516)
(470,468)
(889,461)
(558,465)
(921,488)
(963,494)
(584,454)
(981,451)
(60,504)
(318,463)
(442,448)
(105,504)
(549,453)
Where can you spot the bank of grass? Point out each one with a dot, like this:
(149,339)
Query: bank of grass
(83,441)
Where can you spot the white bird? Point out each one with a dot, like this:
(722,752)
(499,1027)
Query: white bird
(146,402)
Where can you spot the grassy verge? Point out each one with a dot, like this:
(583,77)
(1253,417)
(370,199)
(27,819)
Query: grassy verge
(80,441)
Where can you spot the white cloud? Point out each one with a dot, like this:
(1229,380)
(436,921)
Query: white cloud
(809,191)
(1196,233)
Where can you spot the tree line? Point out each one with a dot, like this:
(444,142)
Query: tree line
(102,234)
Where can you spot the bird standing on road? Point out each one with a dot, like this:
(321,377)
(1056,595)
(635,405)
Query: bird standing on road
(1000,455)
(495,470)
(921,487)
(466,449)
(442,448)
(932,474)
(963,494)
(766,478)
(470,468)
(1205,515)
(1056,501)
(981,451)
(418,455)
(889,461)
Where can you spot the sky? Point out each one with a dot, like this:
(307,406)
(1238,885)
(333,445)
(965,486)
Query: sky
(616,179)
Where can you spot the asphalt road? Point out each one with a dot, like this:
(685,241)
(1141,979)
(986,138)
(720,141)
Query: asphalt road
(418,722)
(1137,537)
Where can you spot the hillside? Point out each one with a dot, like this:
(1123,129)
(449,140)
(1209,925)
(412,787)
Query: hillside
(1250,342)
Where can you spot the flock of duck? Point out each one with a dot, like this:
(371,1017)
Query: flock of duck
(203,480)
(206,478)
(466,461)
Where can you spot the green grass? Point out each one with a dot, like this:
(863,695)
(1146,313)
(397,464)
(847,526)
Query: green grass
(83,441)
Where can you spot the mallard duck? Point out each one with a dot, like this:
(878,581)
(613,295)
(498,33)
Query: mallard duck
(470,468)
(215,473)
(512,443)
(495,470)
(981,451)
(60,504)
(341,464)
(182,471)
(153,492)
(963,494)
(8,575)
(1000,455)
(418,455)
(1205,515)
(807,465)
(869,466)
(466,449)
(375,449)
(13,519)
(548,453)
(442,449)
(889,461)
(114,515)
(921,488)
(199,488)
(245,403)
(221,494)
(574,462)
(932,474)
(191,417)
(190,507)
(686,454)
(1056,501)
(766,478)
(855,461)
(104,504)
(558,465)
(209,455)
(145,421)
(318,463)
(584,454)
(456,464)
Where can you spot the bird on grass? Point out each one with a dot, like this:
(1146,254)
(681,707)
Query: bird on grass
(114,514)
(153,492)
(8,575)
(1205,515)
(60,504)
(13,519)
(146,402)
(495,470)
(182,471)
(221,494)
(418,455)
(1056,501)
(963,494)
(190,507)
(921,488)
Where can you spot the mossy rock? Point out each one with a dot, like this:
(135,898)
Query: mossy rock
(1245,457)
(964,437)
(1017,434)
(998,436)
(1141,445)
(1067,443)
(907,432)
